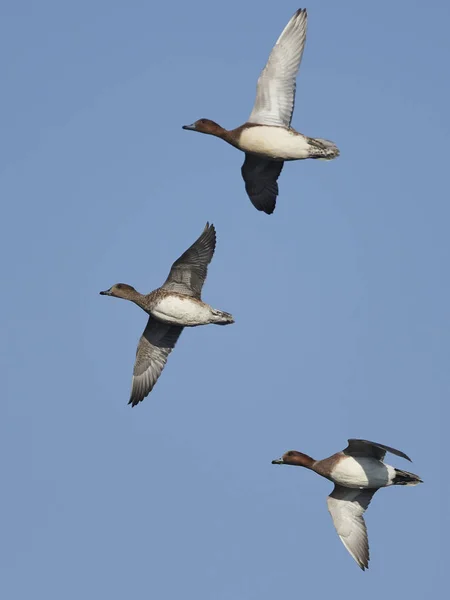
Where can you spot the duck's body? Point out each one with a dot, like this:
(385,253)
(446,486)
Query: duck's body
(173,306)
(268,138)
(361,472)
(357,472)
(275,143)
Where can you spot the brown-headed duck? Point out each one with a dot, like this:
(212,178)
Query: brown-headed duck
(357,472)
(173,306)
(267,138)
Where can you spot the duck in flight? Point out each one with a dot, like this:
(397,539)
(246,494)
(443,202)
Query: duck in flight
(267,138)
(173,306)
(357,472)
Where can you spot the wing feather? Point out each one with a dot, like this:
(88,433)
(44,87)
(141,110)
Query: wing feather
(260,176)
(275,92)
(188,273)
(347,507)
(155,345)
(365,448)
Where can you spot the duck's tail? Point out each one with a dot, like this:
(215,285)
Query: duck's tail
(323,149)
(221,317)
(405,478)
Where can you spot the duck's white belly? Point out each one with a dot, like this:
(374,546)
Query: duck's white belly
(274,142)
(181,310)
(362,473)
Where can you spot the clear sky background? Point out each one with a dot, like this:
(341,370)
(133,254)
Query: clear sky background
(341,300)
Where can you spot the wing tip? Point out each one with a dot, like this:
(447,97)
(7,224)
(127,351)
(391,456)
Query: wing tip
(297,24)
(362,560)
(300,17)
(262,205)
(138,393)
(210,234)
(135,400)
(301,11)
(209,227)
(269,211)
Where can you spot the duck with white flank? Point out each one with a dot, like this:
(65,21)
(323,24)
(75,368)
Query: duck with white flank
(268,138)
(176,304)
(357,472)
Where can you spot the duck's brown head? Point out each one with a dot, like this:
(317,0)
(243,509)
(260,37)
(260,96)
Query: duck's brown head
(297,459)
(120,290)
(206,126)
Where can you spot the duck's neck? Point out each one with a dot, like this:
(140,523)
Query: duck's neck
(301,460)
(222,133)
(138,299)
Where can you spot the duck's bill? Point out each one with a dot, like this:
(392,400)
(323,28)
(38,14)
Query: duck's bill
(105,293)
(278,461)
(189,127)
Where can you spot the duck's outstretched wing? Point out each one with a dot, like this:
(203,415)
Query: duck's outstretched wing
(155,345)
(275,92)
(347,507)
(260,176)
(366,448)
(188,273)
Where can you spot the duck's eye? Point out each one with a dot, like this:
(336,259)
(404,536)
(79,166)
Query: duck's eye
(119,286)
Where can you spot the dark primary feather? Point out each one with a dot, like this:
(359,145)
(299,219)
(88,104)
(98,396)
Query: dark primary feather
(366,448)
(260,176)
(188,273)
(155,345)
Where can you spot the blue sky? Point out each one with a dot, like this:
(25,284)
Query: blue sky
(341,300)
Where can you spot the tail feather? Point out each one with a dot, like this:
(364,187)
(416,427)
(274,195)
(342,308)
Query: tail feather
(223,318)
(405,478)
(323,149)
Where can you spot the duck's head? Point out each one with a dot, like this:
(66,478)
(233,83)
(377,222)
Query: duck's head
(297,459)
(120,290)
(206,126)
